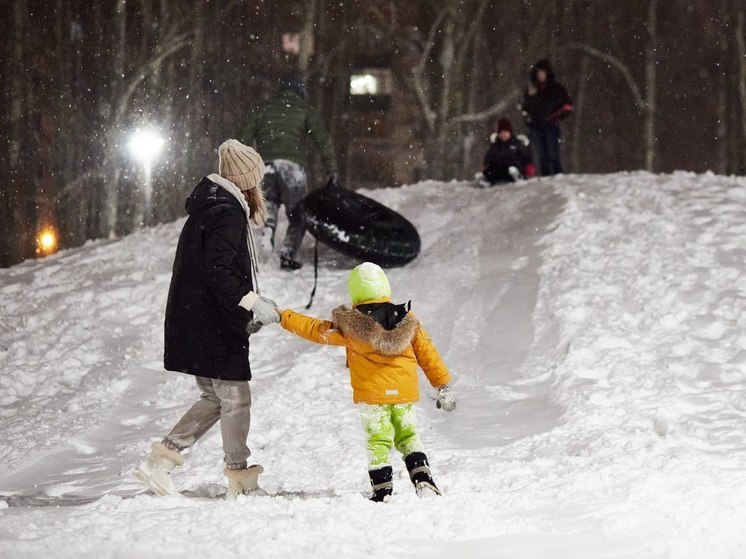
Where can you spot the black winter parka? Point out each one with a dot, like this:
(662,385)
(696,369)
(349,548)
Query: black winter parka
(205,328)
(550,103)
(501,156)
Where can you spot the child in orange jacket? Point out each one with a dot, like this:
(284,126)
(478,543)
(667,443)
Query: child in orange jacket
(385,344)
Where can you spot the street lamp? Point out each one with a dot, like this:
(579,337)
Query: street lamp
(46,241)
(144,146)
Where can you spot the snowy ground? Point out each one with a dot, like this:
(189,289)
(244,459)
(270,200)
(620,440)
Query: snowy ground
(595,328)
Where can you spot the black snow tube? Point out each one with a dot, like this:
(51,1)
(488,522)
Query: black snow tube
(360,227)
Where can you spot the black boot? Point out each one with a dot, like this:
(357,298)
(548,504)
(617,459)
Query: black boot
(381,480)
(287,263)
(419,473)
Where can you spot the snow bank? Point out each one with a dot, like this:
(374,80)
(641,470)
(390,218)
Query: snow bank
(594,326)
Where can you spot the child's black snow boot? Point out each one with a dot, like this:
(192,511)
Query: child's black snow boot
(419,473)
(381,480)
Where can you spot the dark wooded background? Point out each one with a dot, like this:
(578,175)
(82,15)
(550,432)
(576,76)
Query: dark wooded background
(657,85)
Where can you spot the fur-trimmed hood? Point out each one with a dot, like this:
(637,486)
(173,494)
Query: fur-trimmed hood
(364,328)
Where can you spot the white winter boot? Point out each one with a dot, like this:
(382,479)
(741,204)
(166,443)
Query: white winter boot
(244,481)
(156,470)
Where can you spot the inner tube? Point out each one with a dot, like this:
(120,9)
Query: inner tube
(360,227)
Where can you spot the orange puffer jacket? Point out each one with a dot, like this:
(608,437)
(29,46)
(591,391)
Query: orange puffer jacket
(383,363)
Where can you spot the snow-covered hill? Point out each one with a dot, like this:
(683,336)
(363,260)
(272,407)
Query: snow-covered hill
(595,328)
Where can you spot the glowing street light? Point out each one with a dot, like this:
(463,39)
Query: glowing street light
(46,241)
(144,146)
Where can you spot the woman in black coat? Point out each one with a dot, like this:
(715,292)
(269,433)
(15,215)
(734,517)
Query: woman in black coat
(205,328)
(211,301)
(545,103)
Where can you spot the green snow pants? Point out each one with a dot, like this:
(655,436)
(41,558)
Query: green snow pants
(389,425)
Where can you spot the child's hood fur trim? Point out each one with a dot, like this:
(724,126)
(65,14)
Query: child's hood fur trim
(364,328)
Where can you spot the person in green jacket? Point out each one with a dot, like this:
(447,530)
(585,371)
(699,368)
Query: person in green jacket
(279,128)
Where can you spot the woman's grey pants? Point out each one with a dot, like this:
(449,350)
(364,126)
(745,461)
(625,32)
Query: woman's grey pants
(226,400)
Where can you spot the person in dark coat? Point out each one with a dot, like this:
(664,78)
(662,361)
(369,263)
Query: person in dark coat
(212,303)
(545,103)
(280,127)
(508,158)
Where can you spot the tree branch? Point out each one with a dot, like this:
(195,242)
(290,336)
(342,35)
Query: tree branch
(469,36)
(80,180)
(488,112)
(419,70)
(619,65)
(178,43)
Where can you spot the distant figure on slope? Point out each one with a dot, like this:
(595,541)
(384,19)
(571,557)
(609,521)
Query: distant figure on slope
(508,158)
(545,103)
(279,127)
(212,304)
(385,344)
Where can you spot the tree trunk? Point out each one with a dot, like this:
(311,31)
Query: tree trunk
(722,88)
(22,221)
(471,142)
(110,202)
(19,87)
(308,38)
(339,111)
(741,57)
(580,92)
(196,112)
(651,60)
(446,60)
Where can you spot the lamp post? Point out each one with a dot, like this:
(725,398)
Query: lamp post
(144,146)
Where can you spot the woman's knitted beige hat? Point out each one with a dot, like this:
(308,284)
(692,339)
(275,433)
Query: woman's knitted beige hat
(243,166)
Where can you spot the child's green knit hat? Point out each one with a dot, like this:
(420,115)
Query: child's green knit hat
(367,282)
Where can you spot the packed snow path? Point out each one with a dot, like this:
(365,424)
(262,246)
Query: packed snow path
(594,325)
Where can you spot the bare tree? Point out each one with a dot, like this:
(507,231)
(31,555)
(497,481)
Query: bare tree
(741,57)
(308,37)
(651,85)
(442,65)
(19,93)
(581,88)
(110,202)
(75,81)
(722,88)
(643,92)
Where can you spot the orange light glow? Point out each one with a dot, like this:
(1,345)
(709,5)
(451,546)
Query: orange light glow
(46,241)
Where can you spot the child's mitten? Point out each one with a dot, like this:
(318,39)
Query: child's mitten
(446,399)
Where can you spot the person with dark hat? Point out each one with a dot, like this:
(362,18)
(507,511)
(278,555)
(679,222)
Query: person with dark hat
(545,103)
(212,308)
(508,158)
(279,127)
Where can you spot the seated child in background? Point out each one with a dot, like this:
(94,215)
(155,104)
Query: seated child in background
(385,344)
(508,158)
